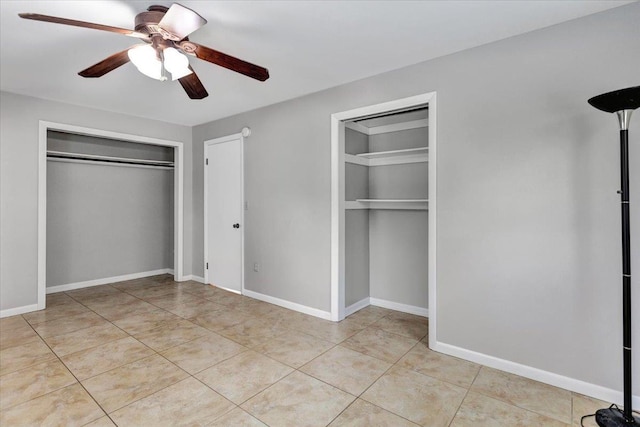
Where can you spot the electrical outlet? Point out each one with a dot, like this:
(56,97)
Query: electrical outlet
(256,267)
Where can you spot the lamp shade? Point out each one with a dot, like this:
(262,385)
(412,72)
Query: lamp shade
(146,61)
(176,63)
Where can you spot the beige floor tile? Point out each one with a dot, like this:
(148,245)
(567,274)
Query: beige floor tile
(68,324)
(171,334)
(190,310)
(69,406)
(237,418)
(141,322)
(294,348)
(446,368)
(243,376)
(482,411)
(368,315)
(110,300)
(93,292)
(201,353)
(254,331)
(187,403)
(19,334)
(544,399)
(12,322)
(584,405)
(336,332)
(34,381)
(404,324)
(416,397)
(364,414)
(126,384)
(20,357)
(161,289)
(169,301)
(101,422)
(219,320)
(114,311)
(83,339)
(58,298)
(141,283)
(346,369)
(229,299)
(298,400)
(96,360)
(55,312)
(380,344)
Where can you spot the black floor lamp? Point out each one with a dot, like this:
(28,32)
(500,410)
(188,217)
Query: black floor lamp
(622,102)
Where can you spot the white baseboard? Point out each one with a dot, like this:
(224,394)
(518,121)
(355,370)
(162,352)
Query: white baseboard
(567,383)
(194,278)
(106,280)
(290,305)
(18,310)
(348,311)
(405,308)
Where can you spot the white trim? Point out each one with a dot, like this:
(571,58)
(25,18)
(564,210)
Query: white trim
(337,217)
(19,310)
(228,138)
(397,306)
(567,383)
(290,305)
(106,280)
(194,278)
(178,180)
(357,306)
(338,203)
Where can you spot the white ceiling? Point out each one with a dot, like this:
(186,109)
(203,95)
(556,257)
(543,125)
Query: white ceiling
(306,45)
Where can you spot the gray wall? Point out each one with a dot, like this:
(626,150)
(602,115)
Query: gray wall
(356,222)
(19,116)
(107,220)
(398,239)
(528,218)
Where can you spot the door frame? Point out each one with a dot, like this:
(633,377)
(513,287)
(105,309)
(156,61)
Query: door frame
(207,143)
(178,191)
(338,203)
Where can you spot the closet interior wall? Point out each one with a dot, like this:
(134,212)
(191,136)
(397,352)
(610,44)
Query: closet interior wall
(111,217)
(386,248)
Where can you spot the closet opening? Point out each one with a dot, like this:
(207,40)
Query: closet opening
(110,208)
(383,208)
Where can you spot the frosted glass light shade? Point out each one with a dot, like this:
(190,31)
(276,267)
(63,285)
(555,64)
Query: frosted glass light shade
(146,61)
(176,63)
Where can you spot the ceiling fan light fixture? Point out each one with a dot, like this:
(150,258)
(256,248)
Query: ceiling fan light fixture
(146,61)
(176,63)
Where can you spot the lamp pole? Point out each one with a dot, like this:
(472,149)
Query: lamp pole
(622,102)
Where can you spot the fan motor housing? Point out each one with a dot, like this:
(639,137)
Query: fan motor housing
(147,22)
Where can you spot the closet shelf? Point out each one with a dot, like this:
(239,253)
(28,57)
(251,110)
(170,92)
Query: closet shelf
(401,204)
(393,157)
(63,155)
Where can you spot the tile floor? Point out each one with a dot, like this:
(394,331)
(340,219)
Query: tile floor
(153,352)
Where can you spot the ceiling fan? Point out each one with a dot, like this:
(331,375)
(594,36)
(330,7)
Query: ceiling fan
(164,32)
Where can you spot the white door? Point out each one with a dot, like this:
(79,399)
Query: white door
(224,213)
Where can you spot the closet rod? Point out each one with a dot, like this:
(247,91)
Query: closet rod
(89,158)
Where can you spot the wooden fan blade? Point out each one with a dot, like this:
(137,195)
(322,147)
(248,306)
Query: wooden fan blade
(56,20)
(228,61)
(193,86)
(106,65)
(180,21)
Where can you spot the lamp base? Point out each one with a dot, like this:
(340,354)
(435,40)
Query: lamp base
(614,417)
